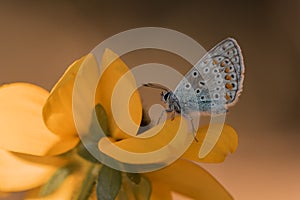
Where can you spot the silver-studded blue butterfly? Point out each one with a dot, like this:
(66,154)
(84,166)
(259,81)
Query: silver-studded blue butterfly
(217,82)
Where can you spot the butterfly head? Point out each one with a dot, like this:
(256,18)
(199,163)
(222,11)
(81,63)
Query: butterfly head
(165,95)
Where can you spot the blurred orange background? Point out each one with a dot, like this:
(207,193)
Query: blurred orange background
(39,40)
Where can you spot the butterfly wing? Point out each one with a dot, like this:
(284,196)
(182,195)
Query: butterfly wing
(215,82)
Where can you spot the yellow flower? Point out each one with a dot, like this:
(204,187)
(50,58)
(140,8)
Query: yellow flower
(37,126)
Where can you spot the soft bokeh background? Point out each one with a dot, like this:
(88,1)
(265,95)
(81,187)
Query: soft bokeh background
(38,40)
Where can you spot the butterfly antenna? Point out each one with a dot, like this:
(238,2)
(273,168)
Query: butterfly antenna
(157,86)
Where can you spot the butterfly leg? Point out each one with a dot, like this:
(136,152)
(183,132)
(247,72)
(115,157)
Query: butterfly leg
(160,116)
(193,127)
(173,115)
(171,109)
(168,111)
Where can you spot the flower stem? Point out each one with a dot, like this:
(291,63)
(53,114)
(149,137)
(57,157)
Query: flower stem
(89,182)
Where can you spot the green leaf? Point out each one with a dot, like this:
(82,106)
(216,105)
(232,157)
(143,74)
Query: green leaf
(131,190)
(84,153)
(57,179)
(88,183)
(142,191)
(102,119)
(94,137)
(109,183)
(134,177)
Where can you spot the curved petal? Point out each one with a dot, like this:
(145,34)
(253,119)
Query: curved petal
(113,68)
(160,137)
(189,179)
(166,142)
(226,144)
(67,190)
(57,111)
(19,172)
(63,145)
(22,128)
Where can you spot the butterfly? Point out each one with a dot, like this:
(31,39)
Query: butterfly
(211,86)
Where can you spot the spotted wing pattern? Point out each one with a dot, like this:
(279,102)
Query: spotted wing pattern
(215,82)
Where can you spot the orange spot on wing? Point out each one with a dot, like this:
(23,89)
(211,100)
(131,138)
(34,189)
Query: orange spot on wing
(223,64)
(228,77)
(227,69)
(215,62)
(228,86)
(227,97)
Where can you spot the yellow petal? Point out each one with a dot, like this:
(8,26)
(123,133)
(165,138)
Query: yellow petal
(226,144)
(21,124)
(113,68)
(22,128)
(166,142)
(189,179)
(63,145)
(57,111)
(160,191)
(19,172)
(67,190)
(161,137)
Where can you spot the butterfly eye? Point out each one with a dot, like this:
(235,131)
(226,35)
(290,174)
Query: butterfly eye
(215,71)
(166,96)
(198,90)
(195,74)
